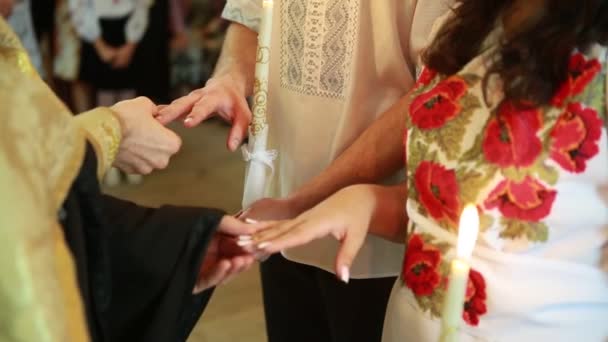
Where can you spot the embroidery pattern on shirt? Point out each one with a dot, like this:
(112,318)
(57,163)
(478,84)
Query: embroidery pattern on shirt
(506,158)
(317,45)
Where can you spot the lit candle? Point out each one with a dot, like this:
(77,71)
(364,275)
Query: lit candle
(453,304)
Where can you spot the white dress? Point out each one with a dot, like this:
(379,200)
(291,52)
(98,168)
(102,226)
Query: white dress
(539,177)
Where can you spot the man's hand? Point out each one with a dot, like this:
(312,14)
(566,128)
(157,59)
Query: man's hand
(222,96)
(225,257)
(146,144)
(271,209)
(124,55)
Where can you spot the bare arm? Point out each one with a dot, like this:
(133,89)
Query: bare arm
(374,156)
(237,59)
(226,92)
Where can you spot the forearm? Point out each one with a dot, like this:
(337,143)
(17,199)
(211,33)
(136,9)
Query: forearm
(374,156)
(389,218)
(237,59)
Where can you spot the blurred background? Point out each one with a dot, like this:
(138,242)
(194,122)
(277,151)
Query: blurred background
(177,54)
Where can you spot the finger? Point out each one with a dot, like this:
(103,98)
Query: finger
(299,235)
(233,226)
(346,254)
(240,125)
(202,110)
(275,231)
(132,163)
(179,107)
(214,277)
(239,265)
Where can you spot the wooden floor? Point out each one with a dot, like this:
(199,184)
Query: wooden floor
(204,173)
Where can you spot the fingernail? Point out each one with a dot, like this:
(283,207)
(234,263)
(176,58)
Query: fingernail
(263,245)
(245,237)
(251,221)
(188,120)
(234,144)
(243,243)
(344,274)
(261,257)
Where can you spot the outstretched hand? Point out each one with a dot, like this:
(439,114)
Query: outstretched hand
(225,257)
(346,216)
(221,96)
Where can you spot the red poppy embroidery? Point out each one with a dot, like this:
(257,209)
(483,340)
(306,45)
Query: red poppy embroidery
(439,105)
(421,267)
(426,76)
(475,300)
(528,200)
(511,138)
(438,191)
(575,137)
(580,72)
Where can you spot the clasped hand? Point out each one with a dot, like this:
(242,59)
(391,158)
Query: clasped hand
(148,145)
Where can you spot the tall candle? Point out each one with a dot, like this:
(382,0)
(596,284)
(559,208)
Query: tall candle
(453,306)
(260,161)
(260,91)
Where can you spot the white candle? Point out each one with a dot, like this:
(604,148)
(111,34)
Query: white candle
(453,304)
(260,92)
(258,158)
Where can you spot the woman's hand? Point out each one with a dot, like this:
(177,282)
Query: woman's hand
(346,216)
(146,144)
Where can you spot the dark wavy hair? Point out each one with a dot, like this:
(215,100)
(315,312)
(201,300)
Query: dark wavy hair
(531,62)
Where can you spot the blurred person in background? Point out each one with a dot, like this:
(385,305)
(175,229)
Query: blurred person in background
(110,31)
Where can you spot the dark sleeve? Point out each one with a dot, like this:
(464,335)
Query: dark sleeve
(155,257)
(137,266)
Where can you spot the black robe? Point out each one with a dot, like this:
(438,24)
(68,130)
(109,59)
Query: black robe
(136,266)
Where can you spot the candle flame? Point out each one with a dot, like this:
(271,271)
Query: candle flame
(267,3)
(467,232)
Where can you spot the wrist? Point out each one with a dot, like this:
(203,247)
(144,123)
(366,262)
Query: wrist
(236,77)
(124,127)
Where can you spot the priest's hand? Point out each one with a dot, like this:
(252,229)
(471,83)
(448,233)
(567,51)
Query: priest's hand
(222,96)
(146,144)
(225,257)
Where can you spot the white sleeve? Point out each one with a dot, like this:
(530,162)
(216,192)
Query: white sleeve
(138,22)
(244,12)
(84,19)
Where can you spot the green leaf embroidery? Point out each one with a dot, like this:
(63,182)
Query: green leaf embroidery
(548,174)
(515,174)
(472,182)
(538,232)
(485,222)
(533,231)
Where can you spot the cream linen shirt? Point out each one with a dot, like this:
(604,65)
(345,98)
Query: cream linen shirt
(336,65)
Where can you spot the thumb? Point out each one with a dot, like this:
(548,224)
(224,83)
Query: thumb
(346,255)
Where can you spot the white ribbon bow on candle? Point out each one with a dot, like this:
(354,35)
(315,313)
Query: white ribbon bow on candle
(266,157)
